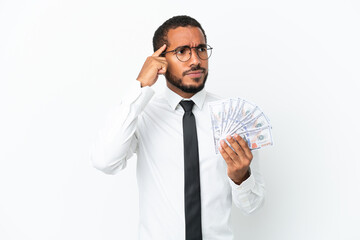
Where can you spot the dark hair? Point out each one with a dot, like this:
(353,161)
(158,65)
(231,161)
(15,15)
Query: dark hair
(160,35)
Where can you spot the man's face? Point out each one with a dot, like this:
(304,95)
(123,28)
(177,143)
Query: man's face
(189,76)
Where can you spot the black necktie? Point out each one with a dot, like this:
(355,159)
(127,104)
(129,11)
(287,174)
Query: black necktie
(192,175)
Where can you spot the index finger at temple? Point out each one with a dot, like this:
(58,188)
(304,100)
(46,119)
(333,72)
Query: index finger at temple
(159,51)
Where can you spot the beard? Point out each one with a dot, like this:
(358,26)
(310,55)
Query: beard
(177,82)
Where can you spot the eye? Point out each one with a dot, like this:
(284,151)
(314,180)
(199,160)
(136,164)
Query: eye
(181,51)
(201,49)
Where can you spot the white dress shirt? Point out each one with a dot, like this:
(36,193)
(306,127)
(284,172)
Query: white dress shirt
(151,127)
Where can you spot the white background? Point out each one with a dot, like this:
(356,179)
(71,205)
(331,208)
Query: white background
(63,64)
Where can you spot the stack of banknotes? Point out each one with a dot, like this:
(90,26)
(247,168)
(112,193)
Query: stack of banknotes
(236,115)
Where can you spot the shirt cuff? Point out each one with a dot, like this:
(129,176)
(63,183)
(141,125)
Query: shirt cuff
(245,186)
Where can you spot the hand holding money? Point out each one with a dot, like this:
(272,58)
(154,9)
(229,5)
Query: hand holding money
(238,127)
(237,158)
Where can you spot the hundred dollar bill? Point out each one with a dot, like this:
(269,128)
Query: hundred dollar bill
(254,113)
(226,104)
(257,138)
(247,111)
(216,114)
(235,107)
(257,122)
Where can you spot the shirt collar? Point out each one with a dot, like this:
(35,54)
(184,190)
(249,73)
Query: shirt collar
(174,99)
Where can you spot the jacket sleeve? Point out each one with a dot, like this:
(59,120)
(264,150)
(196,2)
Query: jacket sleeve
(116,142)
(250,194)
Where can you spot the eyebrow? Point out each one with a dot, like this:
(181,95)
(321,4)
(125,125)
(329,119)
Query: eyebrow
(200,45)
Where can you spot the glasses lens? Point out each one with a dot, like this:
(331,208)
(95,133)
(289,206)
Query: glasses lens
(204,52)
(183,54)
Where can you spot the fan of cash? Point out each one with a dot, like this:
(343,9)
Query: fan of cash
(244,118)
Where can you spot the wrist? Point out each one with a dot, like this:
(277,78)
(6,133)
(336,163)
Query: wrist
(246,176)
(142,83)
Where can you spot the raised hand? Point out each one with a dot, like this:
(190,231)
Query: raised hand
(152,68)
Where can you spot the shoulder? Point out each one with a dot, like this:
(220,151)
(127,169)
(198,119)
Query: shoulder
(210,97)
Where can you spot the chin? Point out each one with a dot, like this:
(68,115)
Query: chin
(192,88)
(193,82)
(193,85)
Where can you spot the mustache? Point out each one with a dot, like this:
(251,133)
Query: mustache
(195,68)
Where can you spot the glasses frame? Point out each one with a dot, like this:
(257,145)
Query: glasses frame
(208,47)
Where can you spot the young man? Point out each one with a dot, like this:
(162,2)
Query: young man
(185,189)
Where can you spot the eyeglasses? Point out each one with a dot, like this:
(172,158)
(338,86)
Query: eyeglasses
(183,53)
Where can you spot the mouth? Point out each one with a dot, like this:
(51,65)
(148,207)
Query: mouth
(195,74)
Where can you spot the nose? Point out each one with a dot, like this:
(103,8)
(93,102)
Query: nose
(194,58)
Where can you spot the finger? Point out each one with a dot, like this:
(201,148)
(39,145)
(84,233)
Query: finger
(159,51)
(161,59)
(244,146)
(238,149)
(162,68)
(225,156)
(228,150)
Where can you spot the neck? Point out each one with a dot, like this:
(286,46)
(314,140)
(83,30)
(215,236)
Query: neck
(179,91)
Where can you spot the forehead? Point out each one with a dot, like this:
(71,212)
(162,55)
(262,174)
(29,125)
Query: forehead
(180,36)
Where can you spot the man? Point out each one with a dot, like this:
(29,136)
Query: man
(185,189)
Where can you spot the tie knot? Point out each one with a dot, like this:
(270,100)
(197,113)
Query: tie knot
(187,105)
